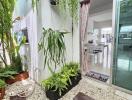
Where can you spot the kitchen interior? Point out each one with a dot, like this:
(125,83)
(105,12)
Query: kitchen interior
(98,41)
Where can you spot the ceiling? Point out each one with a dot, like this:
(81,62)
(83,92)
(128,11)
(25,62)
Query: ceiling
(102,17)
(98,3)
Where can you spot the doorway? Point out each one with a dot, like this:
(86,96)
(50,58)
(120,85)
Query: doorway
(98,40)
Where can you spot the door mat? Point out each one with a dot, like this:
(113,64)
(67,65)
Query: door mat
(98,76)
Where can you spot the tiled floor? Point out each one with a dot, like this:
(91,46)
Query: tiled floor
(98,91)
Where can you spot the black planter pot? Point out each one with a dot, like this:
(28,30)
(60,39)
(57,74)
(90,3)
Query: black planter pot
(54,95)
(53,2)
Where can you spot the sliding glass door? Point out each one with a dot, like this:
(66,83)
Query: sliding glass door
(122,64)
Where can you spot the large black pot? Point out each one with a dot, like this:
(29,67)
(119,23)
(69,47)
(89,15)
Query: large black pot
(54,95)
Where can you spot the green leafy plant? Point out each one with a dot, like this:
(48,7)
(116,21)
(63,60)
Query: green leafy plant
(53,47)
(60,81)
(34,3)
(6,12)
(125,6)
(70,6)
(2,84)
(7,72)
(8,41)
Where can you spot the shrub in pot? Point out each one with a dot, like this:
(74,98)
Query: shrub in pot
(2,89)
(60,83)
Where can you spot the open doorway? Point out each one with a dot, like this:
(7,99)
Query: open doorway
(98,40)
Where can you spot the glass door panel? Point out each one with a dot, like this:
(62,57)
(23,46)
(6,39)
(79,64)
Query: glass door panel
(122,66)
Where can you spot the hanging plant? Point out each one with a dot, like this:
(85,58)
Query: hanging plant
(35,4)
(69,6)
(53,47)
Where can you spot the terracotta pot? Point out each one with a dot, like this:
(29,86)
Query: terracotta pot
(19,77)
(2,93)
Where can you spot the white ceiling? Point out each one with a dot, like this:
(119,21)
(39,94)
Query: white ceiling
(102,17)
(101,10)
(98,3)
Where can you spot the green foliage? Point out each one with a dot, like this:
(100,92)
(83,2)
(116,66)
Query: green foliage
(2,84)
(60,81)
(34,3)
(7,72)
(53,47)
(6,12)
(125,6)
(70,6)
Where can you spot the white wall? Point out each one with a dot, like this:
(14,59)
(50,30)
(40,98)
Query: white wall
(51,18)
(102,24)
(103,18)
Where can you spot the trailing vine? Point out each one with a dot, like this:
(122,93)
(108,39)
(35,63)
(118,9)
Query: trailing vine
(70,6)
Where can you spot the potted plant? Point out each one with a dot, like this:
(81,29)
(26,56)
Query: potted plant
(60,83)
(8,40)
(69,6)
(2,89)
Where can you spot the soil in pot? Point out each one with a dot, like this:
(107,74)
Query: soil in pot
(2,93)
(54,95)
(19,77)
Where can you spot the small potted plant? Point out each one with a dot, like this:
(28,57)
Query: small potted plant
(2,89)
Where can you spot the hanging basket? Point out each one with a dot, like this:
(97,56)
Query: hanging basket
(53,2)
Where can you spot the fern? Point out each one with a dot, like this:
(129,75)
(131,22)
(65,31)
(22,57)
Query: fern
(60,81)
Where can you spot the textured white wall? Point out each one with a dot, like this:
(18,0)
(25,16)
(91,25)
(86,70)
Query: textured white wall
(51,18)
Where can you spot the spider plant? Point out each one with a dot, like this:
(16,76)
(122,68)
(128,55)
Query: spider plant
(53,46)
